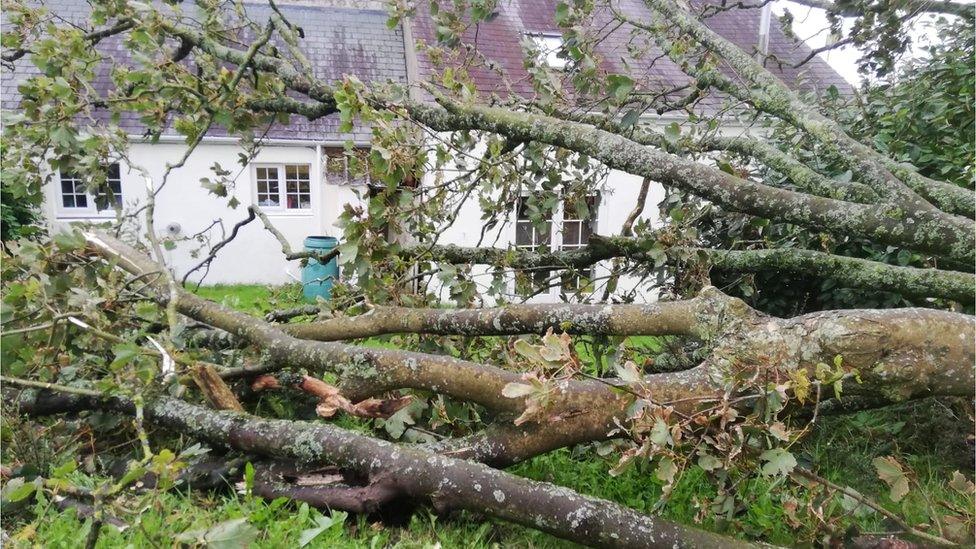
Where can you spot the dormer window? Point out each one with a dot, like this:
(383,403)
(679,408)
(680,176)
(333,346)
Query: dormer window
(549,47)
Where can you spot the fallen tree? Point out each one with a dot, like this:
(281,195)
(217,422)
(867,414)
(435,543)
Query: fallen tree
(95,319)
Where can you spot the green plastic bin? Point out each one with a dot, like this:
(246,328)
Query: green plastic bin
(318,278)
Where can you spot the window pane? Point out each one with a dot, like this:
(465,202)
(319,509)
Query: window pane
(585,231)
(523,209)
(72,191)
(105,200)
(571,233)
(544,237)
(523,233)
(267,187)
(298,188)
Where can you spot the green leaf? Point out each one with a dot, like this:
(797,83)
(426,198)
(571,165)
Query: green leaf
(69,241)
(619,87)
(628,372)
(528,351)
(17,490)
(348,252)
(65,469)
(124,354)
(666,469)
(249,477)
(562,13)
(230,534)
(892,473)
(709,462)
(672,132)
(630,118)
(322,524)
(778,462)
(661,433)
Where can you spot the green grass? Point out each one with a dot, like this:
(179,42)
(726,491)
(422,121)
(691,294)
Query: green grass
(254,298)
(929,437)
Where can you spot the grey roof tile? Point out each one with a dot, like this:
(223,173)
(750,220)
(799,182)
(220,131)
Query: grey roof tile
(337,41)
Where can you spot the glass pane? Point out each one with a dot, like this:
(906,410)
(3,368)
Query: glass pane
(81,201)
(296,171)
(68,201)
(523,233)
(585,231)
(113,171)
(67,186)
(571,233)
(544,237)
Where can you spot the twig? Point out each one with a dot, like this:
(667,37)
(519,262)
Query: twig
(29,384)
(810,475)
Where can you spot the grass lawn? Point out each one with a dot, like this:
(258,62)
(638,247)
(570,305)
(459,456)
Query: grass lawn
(925,436)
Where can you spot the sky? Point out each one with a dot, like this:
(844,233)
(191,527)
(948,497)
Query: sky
(810,23)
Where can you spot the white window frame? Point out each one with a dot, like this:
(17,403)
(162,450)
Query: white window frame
(282,187)
(556,228)
(593,222)
(90,209)
(549,45)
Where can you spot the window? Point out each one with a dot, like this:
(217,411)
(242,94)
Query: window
(549,47)
(283,186)
(579,222)
(532,237)
(528,235)
(76,197)
(73,194)
(298,187)
(267,186)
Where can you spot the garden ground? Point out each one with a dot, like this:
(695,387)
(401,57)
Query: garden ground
(931,442)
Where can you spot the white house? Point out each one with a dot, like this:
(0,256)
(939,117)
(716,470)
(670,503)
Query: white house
(295,177)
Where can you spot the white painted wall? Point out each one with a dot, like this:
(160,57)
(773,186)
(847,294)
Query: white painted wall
(616,202)
(254,256)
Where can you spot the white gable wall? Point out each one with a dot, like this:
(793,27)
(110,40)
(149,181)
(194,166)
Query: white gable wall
(255,255)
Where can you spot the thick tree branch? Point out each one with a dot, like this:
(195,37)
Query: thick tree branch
(849,9)
(447,482)
(929,231)
(774,97)
(664,318)
(364,371)
(850,271)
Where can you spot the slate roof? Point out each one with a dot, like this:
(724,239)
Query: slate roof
(338,41)
(342,40)
(500,41)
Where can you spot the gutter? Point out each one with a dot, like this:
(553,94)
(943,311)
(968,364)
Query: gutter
(220,140)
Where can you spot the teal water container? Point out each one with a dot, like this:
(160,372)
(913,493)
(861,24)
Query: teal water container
(318,278)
